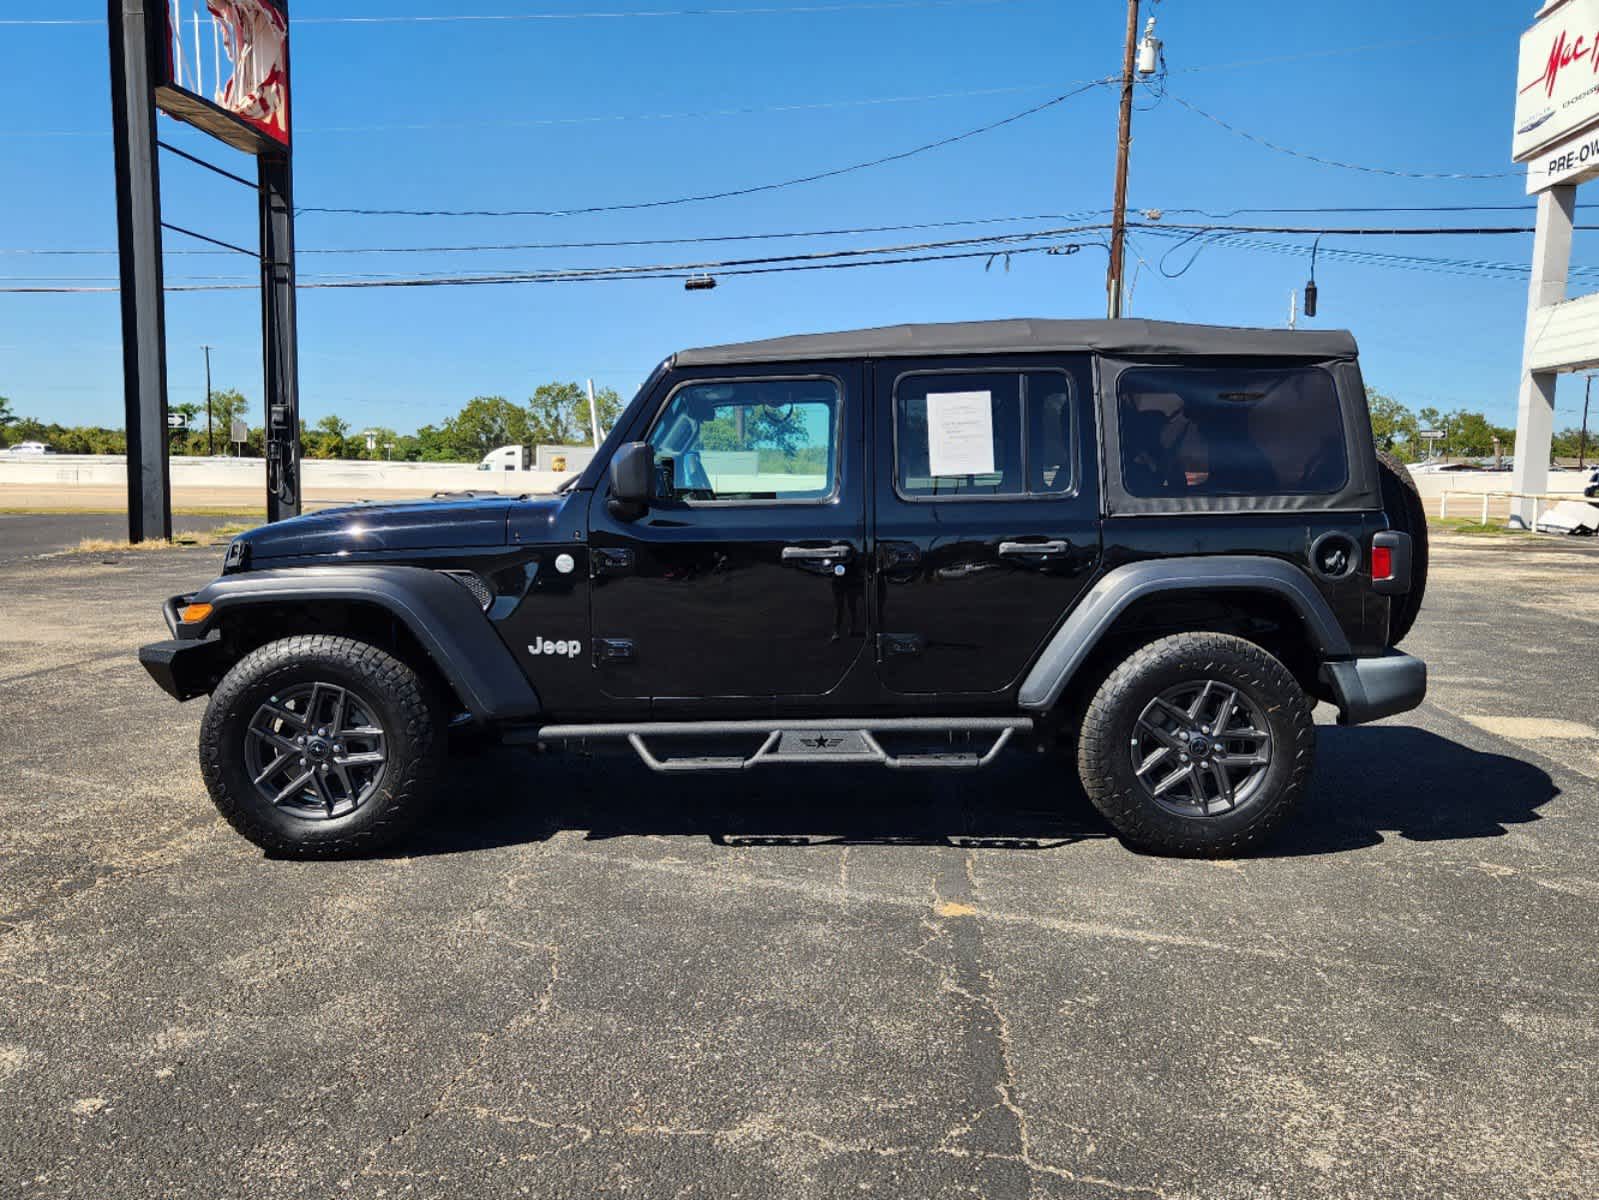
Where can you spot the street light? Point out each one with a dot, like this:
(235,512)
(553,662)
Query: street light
(1582,442)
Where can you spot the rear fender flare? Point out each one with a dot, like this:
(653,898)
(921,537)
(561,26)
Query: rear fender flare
(442,615)
(1121,587)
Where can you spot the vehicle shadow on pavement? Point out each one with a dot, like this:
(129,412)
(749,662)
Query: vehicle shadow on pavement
(1370,782)
(505,797)
(1397,779)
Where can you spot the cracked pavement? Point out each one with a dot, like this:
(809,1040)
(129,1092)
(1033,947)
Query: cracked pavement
(585,980)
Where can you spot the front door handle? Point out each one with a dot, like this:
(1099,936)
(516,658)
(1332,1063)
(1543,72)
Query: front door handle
(1018,549)
(790,553)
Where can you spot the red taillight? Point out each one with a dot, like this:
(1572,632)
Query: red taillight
(1382,562)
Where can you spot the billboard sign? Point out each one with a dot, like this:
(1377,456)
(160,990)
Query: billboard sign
(227,71)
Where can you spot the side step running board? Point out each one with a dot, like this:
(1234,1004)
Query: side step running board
(835,743)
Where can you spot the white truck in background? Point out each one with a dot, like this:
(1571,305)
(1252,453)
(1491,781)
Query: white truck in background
(506,458)
(536,458)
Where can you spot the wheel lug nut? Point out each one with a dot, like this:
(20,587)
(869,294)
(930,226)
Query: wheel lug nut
(1182,758)
(302,762)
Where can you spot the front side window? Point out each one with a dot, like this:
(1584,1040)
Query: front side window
(1230,431)
(751,440)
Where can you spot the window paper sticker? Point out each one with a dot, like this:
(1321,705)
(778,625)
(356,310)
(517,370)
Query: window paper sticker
(960,433)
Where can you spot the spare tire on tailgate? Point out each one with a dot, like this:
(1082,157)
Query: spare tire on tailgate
(1402,502)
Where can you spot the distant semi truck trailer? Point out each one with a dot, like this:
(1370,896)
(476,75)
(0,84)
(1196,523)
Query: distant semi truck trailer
(536,458)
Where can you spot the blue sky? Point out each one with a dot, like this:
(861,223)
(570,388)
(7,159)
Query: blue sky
(562,113)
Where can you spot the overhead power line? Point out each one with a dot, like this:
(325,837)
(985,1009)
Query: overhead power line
(629,242)
(1081,215)
(1333,162)
(595,276)
(992,247)
(730,193)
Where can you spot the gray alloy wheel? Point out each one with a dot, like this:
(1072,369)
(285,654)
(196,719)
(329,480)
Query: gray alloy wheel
(316,751)
(1201,748)
(316,746)
(1197,744)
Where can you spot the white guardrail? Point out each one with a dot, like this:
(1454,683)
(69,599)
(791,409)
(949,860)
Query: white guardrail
(1539,499)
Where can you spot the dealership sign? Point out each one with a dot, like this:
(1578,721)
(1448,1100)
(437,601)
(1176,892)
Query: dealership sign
(1573,161)
(1557,83)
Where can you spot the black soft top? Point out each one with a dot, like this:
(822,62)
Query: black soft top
(1128,337)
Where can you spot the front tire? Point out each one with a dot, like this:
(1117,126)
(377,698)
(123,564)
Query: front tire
(1198,745)
(321,747)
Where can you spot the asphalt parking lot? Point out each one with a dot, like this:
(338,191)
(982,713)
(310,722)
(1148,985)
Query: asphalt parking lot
(26,536)
(587,980)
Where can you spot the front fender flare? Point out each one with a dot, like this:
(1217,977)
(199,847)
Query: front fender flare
(1123,586)
(442,615)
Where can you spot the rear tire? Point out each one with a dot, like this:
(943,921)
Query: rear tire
(1402,502)
(321,747)
(1220,703)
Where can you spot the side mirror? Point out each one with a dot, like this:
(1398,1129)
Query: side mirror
(632,467)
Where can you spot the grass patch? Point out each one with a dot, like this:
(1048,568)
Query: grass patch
(201,537)
(1470,526)
(218,510)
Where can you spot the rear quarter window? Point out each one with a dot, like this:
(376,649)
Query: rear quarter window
(1230,431)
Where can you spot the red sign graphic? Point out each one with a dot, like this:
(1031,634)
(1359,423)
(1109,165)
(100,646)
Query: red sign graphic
(1563,54)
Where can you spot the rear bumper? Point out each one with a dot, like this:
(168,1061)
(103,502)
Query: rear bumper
(185,668)
(1368,689)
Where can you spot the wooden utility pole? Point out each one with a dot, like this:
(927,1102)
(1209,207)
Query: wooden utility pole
(1124,126)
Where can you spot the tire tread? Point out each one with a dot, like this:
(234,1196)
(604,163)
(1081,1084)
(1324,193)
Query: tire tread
(1141,822)
(407,798)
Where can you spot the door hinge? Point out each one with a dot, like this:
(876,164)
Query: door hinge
(610,560)
(892,645)
(613,650)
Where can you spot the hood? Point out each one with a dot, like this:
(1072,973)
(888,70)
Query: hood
(442,523)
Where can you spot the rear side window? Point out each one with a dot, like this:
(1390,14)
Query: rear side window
(1230,431)
(984,433)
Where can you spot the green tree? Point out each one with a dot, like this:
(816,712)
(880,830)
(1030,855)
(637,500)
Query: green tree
(184,440)
(483,424)
(381,436)
(1393,426)
(7,419)
(558,413)
(226,404)
(328,436)
(1471,433)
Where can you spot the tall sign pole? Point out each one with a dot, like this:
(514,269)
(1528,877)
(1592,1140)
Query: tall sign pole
(1124,128)
(282,375)
(1556,133)
(144,355)
(248,111)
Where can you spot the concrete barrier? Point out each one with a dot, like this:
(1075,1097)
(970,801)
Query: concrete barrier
(1435,484)
(94,480)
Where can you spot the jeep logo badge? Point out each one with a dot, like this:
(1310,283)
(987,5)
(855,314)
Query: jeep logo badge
(566,649)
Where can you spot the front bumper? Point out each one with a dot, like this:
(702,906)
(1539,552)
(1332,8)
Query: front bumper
(1368,689)
(187,667)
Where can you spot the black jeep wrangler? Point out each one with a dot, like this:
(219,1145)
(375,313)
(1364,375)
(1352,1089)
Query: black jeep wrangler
(1146,546)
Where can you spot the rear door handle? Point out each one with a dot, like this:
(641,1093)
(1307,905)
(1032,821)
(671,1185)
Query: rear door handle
(816,552)
(1018,549)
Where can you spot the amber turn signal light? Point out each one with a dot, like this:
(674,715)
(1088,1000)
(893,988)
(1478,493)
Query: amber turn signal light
(190,613)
